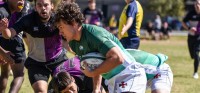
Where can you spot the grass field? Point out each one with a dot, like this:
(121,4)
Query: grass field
(179,60)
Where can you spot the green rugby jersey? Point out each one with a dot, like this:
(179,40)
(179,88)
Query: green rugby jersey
(97,39)
(148,60)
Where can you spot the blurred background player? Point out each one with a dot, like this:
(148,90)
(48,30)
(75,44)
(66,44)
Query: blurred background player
(14,9)
(45,44)
(130,23)
(191,22)
(1,1)
(92,14)
(113,25)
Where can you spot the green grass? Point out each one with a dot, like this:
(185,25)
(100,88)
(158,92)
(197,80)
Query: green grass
(179,60)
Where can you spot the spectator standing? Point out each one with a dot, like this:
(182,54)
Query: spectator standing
(157,25)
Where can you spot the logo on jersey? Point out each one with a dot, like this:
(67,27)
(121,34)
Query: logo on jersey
(80,47)
(35,29)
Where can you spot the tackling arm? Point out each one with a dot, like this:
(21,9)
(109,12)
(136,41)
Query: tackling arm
(185,26)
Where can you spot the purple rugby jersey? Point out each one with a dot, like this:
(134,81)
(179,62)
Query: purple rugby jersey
(44,49)
(72,66)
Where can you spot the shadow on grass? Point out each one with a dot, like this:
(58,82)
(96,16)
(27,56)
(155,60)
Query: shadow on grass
(182,76)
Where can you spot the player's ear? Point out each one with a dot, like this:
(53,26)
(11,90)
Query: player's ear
(52,6)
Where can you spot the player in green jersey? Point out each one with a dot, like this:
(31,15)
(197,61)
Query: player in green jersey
(122,73)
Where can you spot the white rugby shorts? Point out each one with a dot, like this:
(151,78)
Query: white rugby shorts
(131,79)
(163,80)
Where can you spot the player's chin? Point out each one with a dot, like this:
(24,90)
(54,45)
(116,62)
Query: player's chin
(44,17)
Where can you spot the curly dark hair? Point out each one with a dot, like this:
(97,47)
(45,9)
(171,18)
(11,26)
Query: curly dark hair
(69,13)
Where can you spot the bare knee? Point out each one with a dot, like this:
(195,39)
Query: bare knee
(40,86)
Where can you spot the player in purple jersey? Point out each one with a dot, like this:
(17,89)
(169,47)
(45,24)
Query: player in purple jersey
(63,82)
(1,1)
(70,69)
(72,66)
(92,14)
(45,44)
(13,11)
(68,78)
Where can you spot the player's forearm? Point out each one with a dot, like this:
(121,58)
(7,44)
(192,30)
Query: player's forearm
(7,33)
(2,50)
(113,59)
(185,26)
(107,66)
(128,23)
(97,83)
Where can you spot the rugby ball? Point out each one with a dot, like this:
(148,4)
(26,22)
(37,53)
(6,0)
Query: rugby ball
(92,60)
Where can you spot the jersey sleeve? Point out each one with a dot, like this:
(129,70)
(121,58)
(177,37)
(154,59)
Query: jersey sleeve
(187,17)
(101,41)
(3,13)
(130,12)
(21,25)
